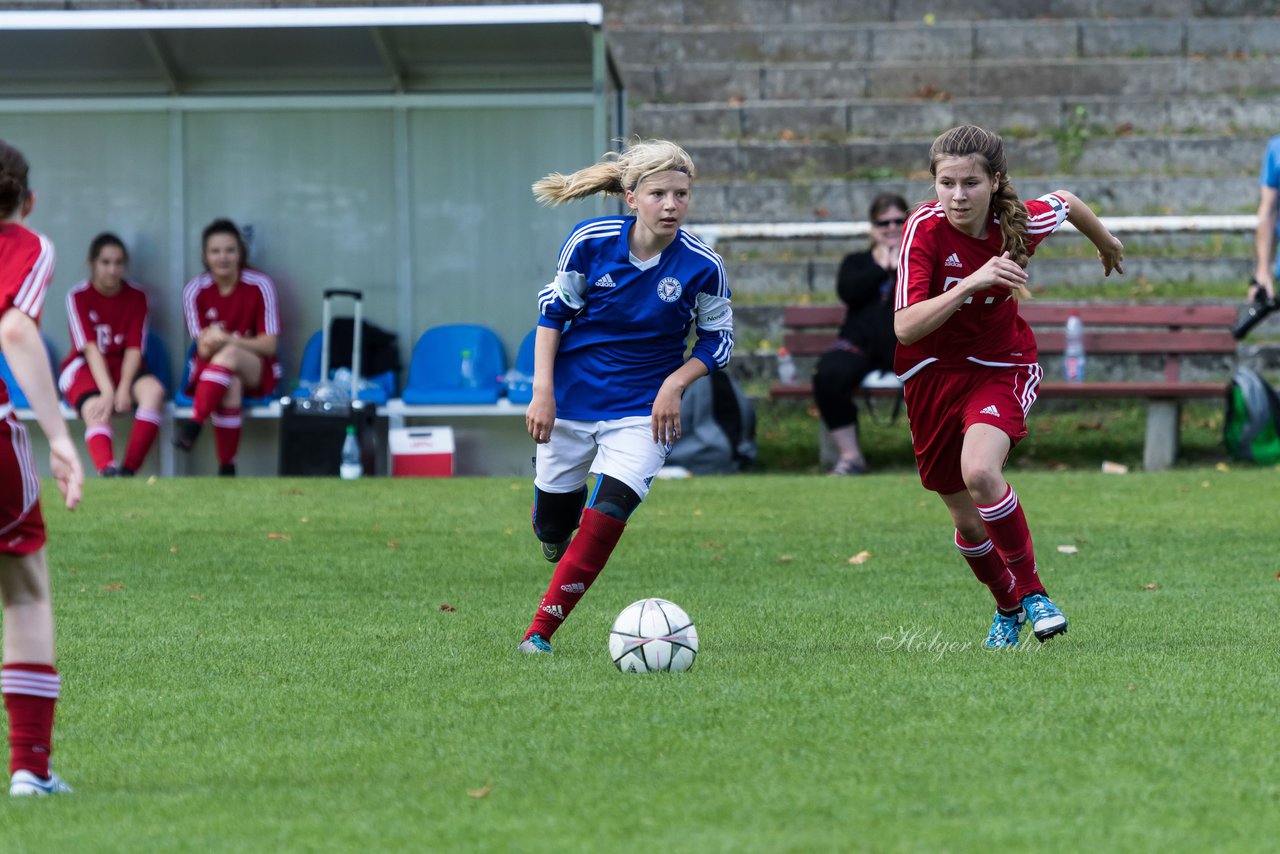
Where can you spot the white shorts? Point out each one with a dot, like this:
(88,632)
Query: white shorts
(622,448)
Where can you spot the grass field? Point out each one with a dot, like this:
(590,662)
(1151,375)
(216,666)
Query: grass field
(268,665)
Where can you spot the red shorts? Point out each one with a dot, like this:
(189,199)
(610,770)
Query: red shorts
(942,404)
(270,377)
(77,384)
(21,525)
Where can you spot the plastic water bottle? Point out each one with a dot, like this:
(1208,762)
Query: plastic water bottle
(786,366)
(467,371)
(1073,352)
(351,468)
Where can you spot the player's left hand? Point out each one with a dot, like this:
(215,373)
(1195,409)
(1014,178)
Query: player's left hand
(64,462)
(1112,257)
(124,400)
(666,416)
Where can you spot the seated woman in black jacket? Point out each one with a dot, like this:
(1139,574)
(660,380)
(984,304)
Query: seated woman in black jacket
(866,343)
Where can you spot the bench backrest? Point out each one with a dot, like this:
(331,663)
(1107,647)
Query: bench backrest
(1170,329)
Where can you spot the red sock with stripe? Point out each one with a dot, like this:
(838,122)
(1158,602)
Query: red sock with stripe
(146,426)
(98,439)
(226,434)
(1006,525)
(213,385)
(30,694)
(586,556)
(989,568)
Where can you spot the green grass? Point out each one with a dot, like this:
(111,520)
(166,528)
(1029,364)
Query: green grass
(265,665)
(1076,435)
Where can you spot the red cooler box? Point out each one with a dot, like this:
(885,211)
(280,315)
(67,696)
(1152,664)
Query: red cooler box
(421,452)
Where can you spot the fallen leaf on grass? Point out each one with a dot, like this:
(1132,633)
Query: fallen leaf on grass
(114,587)
(1109,467)
(304,520)
(785,558)
(1068,550)
(1151,586)
(151,481)
(275,536)
(393,544)
(445,606)
(1222,467)
(1131,687)
(173,550)
(196,596)
(1204,484)
(860,558)
(482,792)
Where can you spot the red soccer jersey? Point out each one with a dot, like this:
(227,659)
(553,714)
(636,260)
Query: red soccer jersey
(987,329)
(250,310)
(113,323)
(26,266)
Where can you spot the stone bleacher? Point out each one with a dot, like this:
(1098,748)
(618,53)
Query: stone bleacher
(805,110)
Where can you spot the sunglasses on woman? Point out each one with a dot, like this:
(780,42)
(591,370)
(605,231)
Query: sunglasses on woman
(885,223)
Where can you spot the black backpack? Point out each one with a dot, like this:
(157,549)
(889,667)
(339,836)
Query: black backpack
(1251,427)
(717,426)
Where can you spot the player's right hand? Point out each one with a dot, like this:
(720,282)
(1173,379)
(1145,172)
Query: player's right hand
(998,272)
(540,417)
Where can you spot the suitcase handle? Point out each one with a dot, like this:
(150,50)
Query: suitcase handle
(357,332)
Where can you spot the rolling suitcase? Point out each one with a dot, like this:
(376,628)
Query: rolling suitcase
(312,429)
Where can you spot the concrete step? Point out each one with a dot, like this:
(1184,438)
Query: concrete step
(958,41)
(1236,154)
(883,117)
(832,199)
(772,13)
(1159,77)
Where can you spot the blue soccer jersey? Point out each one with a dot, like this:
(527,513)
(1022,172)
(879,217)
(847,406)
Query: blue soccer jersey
(1271,178)
(625,322)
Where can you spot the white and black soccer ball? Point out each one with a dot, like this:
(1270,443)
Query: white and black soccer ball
(653,635)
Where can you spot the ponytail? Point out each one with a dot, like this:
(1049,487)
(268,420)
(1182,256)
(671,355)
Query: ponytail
(616,172)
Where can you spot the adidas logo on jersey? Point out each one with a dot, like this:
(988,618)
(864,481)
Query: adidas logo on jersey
(605,281)
(991,410)
(554,610)
(953,260)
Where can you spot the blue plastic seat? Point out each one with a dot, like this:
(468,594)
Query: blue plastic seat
(520,383)
(383,385)
(181,397)
(16,397)
(435,369)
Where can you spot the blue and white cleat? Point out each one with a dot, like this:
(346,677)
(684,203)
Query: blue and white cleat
(1046,620)
(24,783)
(535,644)
(1005,629)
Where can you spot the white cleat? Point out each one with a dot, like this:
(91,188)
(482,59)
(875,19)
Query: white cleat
(24,783)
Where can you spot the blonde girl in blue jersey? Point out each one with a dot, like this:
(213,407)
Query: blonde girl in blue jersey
(610,365)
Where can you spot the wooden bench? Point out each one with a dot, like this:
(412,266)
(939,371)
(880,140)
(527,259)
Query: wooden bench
(1171,332)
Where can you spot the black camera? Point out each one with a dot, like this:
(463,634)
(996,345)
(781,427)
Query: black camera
(1256,312)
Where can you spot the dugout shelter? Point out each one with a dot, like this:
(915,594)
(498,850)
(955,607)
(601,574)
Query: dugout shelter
(385,149)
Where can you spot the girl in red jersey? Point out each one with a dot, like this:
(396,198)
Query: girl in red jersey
(968,360)
(105,373)
(28,679)
(232,315)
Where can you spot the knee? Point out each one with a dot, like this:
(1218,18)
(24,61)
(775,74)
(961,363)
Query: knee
(615,499)
(149,392)
(985,483)
(556,514)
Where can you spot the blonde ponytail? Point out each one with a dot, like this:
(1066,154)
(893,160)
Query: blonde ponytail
(615,172)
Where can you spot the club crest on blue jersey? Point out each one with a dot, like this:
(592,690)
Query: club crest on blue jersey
(669,289)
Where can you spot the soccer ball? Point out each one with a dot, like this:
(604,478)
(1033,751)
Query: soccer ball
(652,635)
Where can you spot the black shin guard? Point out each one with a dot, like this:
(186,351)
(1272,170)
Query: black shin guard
(614,498)
(556,514)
